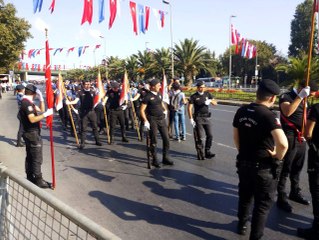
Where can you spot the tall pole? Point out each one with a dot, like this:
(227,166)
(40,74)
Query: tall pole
(230,53)
(171,33)
(256,69)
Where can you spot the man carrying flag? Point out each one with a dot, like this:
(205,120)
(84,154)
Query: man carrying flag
(30,119)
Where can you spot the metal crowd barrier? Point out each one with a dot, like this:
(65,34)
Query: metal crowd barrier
(28,212)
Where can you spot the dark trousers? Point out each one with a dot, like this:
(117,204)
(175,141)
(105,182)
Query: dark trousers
(313,177)
(292,165)
(129,117)
(86,118)
(114,116)
(34,158)
(64,115)
(100,116)
(204,128)
(159,124)
(259,185)
(20,131)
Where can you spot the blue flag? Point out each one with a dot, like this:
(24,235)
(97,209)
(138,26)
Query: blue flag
(101,11)
(80,51)
(141,18)
(37,5)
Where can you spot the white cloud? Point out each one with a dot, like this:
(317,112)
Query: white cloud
(41,25)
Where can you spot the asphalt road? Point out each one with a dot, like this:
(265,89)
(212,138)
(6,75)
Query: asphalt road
(112,186)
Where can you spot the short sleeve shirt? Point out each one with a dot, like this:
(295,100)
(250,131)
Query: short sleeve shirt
(296,117)
(255,123)
(113,99)
(198,101)
(27,108)
(154,105)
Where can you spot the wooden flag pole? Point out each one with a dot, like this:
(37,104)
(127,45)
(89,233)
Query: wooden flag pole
(107,125)
(309,64)
(135,118)
(71,117)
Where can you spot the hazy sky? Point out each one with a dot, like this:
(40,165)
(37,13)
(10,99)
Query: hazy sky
(204,20)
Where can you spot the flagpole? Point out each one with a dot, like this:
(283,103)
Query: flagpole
(230,53)
(171,35)
(48,65)
(309,64)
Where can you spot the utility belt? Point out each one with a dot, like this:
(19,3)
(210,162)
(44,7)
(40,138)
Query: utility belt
(202,115)
(257,165)
(116,109)
(154,118)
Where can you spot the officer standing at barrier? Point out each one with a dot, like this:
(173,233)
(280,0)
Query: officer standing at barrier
(312,136)
(201,118)
(261,144)
(31,125)
(291,115)
(116,112)
(154,114)
(87,113)
(20,94)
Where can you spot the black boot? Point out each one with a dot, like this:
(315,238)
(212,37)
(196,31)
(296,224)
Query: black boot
(282,203)
(124,139)
(208,154)
(241,228)
(41,183)
(20,144)
(155,163)
(167,161)
(30,177)
(296,196)
(98,143)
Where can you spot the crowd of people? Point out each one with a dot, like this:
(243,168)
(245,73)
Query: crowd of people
(270,150)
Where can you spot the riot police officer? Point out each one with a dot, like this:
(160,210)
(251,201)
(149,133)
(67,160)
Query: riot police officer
(87,113)
(200,119)
(31,125)
(116,112)
(291,115)
(153,114)
(261,143)
(19,95)
(312,136)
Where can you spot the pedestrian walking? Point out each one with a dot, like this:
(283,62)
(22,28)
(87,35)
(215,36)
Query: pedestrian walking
(177,109)
(154,114)
(291,115)
(31,124)
(200,118)
(261,144)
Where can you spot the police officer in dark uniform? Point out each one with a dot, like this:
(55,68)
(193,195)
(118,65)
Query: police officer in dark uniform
(291,115)
(201,117)
(31,125)
(116,112)
(87,113)
(153,114)
(20,94)
(261,144)
(312,136)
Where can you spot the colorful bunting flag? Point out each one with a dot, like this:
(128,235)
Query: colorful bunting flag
(87,11)
(52,6)
(37,5)
(133,13)
(101,11)
(113,9)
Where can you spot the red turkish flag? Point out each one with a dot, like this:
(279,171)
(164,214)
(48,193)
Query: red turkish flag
(113,10)
(133,13)
(147,17)
(87,11)
(49,91)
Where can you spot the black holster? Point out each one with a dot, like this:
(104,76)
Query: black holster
(276,167)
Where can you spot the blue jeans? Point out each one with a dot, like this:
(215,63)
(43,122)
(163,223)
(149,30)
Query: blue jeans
(179,120)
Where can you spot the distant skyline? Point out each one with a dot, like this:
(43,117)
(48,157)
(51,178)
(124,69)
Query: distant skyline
(204,20)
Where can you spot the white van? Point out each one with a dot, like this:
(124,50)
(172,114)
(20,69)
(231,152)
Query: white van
(209,81)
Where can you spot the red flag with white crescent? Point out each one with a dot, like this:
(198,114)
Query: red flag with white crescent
(87,11)
(49,90)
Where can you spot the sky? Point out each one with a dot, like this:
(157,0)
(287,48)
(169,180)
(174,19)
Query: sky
(207,21)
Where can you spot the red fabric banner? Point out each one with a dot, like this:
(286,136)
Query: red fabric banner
(49,91)
(113,10)
(133,13)
(87,11)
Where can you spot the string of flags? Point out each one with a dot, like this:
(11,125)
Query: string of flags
(80,50)
(140,13)
(243,46)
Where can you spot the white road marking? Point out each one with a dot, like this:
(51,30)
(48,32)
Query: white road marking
(217,143)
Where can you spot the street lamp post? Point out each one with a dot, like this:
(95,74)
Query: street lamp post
(171,33)
(230,53)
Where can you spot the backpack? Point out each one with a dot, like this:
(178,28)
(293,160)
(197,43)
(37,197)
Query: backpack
(174,103)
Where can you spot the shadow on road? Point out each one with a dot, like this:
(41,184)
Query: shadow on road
(129,210)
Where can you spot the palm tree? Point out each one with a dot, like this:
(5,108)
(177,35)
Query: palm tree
(116,67)
(132,68)
(160,61)
(190,58)
(144,60)
(296,68)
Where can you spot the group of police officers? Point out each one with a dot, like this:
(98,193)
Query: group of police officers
(270,150)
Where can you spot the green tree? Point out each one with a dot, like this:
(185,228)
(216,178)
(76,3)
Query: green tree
(116,68)
(144,60)
(190,59)
(14,32)
(161,60)
(132,68)
(301,29)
